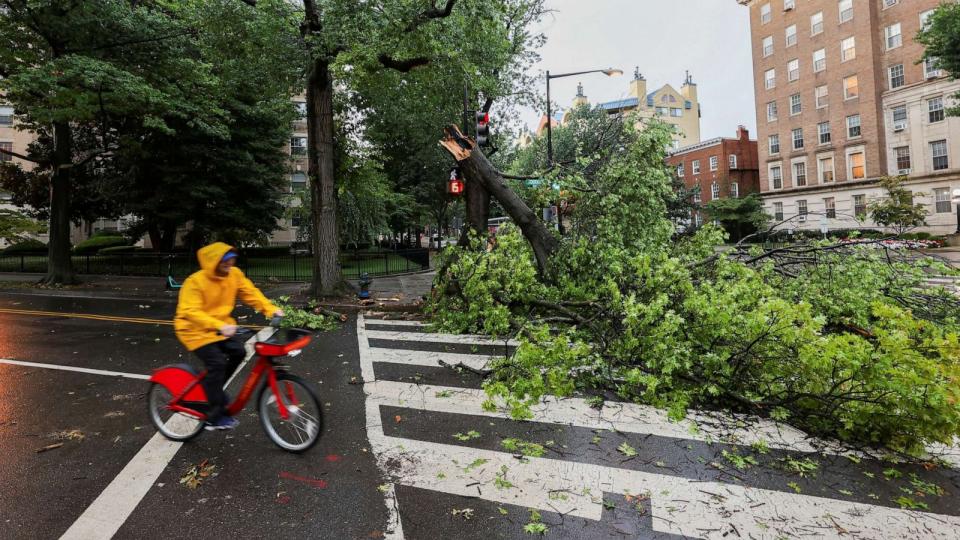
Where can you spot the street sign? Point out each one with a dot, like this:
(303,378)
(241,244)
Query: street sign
(823,225)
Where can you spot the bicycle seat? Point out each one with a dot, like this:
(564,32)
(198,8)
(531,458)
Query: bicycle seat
(283,341)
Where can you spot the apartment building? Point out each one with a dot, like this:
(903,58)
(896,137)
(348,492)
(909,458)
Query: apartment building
(721,167)
(679,108)
(842,99)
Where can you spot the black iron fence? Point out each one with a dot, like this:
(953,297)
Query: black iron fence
(291,267)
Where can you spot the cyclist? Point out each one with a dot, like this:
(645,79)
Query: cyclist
(204,325)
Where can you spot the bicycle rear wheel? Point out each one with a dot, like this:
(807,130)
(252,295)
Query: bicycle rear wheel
(173,425)
(304,424)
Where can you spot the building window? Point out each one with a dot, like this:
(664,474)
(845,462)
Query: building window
(698,219)
(846,11)
(939,151)
(301,107)
(663,111)
(771,111)
(793,70)
(896,76)
(942,196)
(830,206)
(823,96)
(733,161)
(770,79)
(931,67)
(696,196)
(788,4)
(935,107)
(778,211)
(925,18)
(796,107)
(819,60)
(714,191)
(859,206)
(680,170)
(776,177)
(766,14)
(816,23)
(851,87)
(900,118)
(714,163)
(799,174)
(825,169)
(298,182)
(675,112)
(823,130)
(802,208)
(735,190)
(848,49)
(696,166)
(298,146)
(890,3)
(774,141)
(791,35)
(894,37)
(6,115)
(8,146)
(767,46)
(858,165)
(853,126)
(798,139)
(902,154)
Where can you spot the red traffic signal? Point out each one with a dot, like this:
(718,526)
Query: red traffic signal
(483,128)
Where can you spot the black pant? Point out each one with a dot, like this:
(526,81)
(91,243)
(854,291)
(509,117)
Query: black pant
(221,359)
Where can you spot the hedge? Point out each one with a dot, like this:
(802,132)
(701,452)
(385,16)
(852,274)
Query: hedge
(26,246)
(95,244)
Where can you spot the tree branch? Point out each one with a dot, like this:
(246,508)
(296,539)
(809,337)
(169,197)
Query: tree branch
(403,66)
(433,13)
(18,156)
(190,32)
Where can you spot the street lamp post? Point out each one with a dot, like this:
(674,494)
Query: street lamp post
(609,72)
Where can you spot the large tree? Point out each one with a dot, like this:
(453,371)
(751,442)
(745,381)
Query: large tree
(344,41)
(942,40)
(71,66)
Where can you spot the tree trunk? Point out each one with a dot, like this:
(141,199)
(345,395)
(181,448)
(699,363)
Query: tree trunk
(156,237)
(326,250)
(478,171)
(477,209)
(59,265)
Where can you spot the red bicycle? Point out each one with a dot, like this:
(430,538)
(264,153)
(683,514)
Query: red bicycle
(289,409)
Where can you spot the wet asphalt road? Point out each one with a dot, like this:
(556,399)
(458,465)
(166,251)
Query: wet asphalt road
(336,490)
(259,491)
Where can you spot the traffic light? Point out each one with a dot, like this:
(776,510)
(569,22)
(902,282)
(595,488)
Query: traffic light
(483,128)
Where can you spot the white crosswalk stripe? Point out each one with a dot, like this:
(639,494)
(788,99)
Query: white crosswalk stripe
(699,509)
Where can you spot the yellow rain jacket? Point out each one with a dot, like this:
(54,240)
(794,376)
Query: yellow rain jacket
(206,299)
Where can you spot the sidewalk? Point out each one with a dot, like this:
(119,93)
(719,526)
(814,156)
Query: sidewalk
(389,293)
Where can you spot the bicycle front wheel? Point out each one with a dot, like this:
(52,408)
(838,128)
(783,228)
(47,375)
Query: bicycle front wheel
(304,423)
(174,425)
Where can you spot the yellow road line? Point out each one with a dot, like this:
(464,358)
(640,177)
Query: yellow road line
(91,316)
(94,317)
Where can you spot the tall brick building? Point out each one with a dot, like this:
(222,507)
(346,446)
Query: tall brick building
(841,101)
(721,167)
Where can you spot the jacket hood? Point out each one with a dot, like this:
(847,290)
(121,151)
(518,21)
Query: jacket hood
(210,256)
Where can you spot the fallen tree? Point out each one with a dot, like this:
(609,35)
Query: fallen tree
(841,339)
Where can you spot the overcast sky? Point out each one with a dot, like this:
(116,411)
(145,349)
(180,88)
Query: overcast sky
(664,38)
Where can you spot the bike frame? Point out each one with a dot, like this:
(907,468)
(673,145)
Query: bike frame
(264,366)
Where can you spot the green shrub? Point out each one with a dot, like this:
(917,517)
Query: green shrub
(96,243)
(26,247)
(119,249)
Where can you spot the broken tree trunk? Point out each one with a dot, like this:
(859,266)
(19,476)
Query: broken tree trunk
(477,170)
